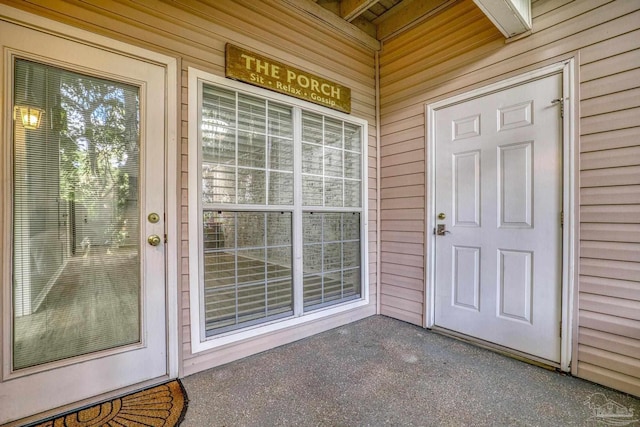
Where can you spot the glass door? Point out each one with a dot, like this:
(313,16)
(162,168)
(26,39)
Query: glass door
(83,240)
(76,246)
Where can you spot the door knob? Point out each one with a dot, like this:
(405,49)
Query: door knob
(154,240)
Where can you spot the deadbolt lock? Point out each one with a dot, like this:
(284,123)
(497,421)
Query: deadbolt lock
(153,217)
(441,215)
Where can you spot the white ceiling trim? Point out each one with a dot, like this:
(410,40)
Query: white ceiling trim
(511,17)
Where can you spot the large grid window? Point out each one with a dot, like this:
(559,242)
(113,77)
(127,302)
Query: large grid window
(331,160)
(247,150)
(280,209)
(247,268)
(331,257)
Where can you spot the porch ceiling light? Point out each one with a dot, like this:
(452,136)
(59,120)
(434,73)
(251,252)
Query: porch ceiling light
(30,116)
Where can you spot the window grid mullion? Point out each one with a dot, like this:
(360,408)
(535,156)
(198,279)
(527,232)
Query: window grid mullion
(342,254)
(235,264)
(266,153)
(297,235)
(324,202)
(344,199)
(201,293)
(324,173)
(247,208)
(266,267)
(344,189)
(322,257)
(237,162)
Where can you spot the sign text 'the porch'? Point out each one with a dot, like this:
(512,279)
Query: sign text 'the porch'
(261,71)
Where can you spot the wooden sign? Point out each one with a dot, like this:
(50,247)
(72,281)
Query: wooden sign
(261,71)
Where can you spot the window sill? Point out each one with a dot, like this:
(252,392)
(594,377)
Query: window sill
(237,336)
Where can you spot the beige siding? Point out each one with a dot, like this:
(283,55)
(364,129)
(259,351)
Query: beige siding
(196,33)
(459,50)
(609,299)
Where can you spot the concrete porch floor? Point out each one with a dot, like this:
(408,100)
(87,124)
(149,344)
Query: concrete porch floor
(381,371)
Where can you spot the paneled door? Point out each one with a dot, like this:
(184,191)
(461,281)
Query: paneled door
(83,257)
(498,202)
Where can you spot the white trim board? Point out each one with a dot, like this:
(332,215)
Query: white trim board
(569,203)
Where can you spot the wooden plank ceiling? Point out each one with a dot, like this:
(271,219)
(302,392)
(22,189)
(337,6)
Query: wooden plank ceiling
(382,19)
(370,22)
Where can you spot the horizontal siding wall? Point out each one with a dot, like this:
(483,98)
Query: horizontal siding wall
(196,32)
(609,298)
(459,50)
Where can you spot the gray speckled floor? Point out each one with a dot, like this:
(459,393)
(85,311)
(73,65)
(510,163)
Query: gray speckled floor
(380,371)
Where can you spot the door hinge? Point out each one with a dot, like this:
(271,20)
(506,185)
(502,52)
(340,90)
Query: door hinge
(560,329)
(562,219)
(165,238)
(561,102)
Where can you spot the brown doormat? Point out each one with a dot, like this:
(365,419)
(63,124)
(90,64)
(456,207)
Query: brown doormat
(160,406)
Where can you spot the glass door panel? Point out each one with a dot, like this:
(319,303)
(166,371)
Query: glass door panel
(76,254)
(84,294)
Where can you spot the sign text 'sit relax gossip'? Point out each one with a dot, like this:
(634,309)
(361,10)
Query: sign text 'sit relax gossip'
(261,71)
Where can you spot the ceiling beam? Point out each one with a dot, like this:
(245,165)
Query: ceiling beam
(410,13)
(317,12)
(365,25)
(351,9)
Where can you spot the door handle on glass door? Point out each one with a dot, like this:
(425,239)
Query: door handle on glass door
(154,240)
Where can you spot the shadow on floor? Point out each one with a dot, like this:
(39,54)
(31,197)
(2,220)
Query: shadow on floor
(381,371)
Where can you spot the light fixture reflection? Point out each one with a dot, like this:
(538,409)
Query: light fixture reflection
(30,116)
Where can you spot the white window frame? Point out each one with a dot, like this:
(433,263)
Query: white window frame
(199,342)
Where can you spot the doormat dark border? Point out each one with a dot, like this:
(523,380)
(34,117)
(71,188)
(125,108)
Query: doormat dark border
(160,405)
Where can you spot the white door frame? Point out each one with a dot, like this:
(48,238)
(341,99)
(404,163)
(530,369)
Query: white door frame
(569,190)
(170,64)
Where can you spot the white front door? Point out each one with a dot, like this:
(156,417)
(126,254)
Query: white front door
(498,203)
(83,282)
